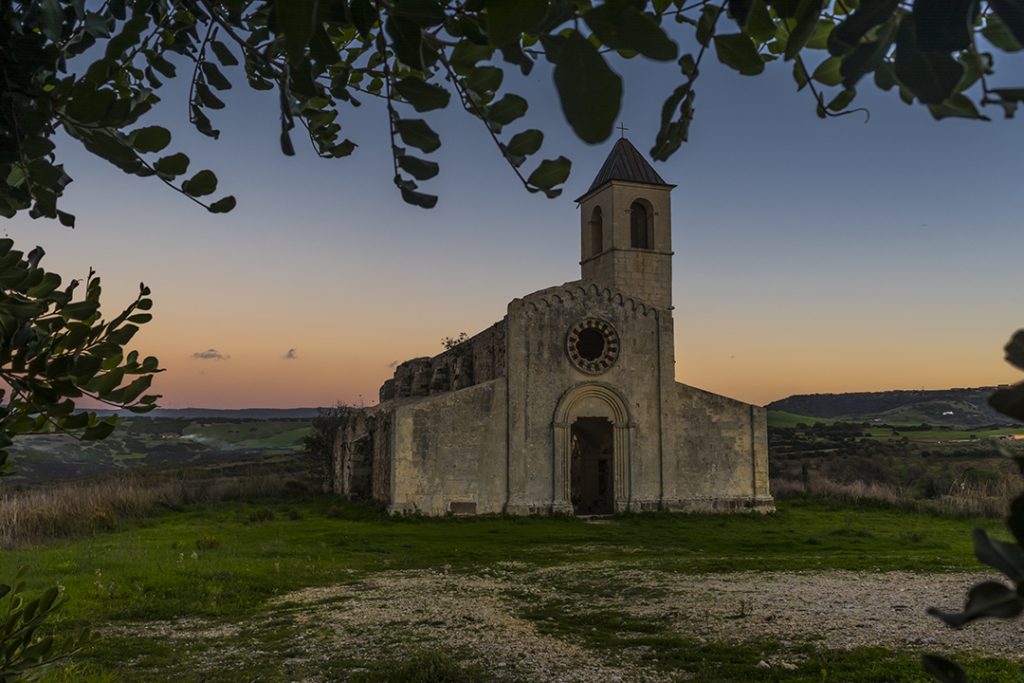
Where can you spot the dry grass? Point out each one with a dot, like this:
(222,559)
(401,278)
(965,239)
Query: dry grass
(963,499)
(75,508)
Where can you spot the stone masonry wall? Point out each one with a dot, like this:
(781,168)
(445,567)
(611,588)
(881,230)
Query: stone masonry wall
(479,359)
(449,452)
(719,455)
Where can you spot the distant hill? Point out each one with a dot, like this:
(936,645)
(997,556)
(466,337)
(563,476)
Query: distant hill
(963,408)
(239,414)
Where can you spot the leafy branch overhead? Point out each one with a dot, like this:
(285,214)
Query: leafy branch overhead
(94,70)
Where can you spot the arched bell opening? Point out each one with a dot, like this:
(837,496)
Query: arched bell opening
(596,232)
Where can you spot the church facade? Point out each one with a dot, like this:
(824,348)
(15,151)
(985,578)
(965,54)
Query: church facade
(569,403)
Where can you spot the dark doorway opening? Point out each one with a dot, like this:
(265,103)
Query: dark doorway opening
(592,466)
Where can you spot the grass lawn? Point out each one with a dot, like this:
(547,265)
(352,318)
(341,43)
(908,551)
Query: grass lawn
(225,562)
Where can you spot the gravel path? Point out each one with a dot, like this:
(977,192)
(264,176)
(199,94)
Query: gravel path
(478,616)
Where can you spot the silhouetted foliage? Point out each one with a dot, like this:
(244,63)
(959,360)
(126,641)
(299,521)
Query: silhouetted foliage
(418,56)
(993,598)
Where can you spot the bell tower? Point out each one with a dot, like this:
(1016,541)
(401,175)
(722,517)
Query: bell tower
(626,228)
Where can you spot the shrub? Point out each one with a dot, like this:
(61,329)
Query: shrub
(24,650)
(261,515)
(207,544)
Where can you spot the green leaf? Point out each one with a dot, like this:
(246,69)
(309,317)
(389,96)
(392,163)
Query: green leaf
(295,20)
(549,173)
(224,55)
(827,73)
(485,79)
(706,24)
(79,310)
(525,143)
(222,205)
(407,41)
(871,13)
(806,17)
(507,109)
(737,51)
(150,138)
(1010,402)
(508,19)
(800,75)
(51,19)
(420,169)
(867,57)
(98,432)
(998,34)
(624,27)
(840,101)
(589,91)
(215,77)
(1006,557)
(884,77)
(819,39)
(172,165)
(1012,14)
(424,13)
(1014,348)
(363,16)
(162,65)
(956,105)
(943,670)
(760,26)
(201,184)
(417,133)
(986,599)
(421,95)
(931,76)
(425,201)
(944,25)
(467,54)
(740,11)
(206,96)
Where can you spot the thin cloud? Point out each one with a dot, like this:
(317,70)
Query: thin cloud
(393,364)
(209,354)
(291,355)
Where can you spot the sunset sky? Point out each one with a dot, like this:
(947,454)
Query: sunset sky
(810,256)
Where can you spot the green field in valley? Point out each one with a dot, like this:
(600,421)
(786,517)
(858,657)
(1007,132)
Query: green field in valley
(156,443)
(288,590)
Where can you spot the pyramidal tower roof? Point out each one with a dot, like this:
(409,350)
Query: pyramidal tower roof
(626,163)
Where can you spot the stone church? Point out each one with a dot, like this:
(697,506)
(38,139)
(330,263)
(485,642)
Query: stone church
(569,403)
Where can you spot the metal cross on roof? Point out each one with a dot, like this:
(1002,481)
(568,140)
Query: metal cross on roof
(622,130)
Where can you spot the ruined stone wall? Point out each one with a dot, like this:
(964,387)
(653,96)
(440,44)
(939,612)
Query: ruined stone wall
(359,464)
(719,458)
(450,452)
(481,358)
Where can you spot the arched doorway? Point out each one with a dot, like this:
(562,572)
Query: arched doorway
(590,472)
(591,459)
